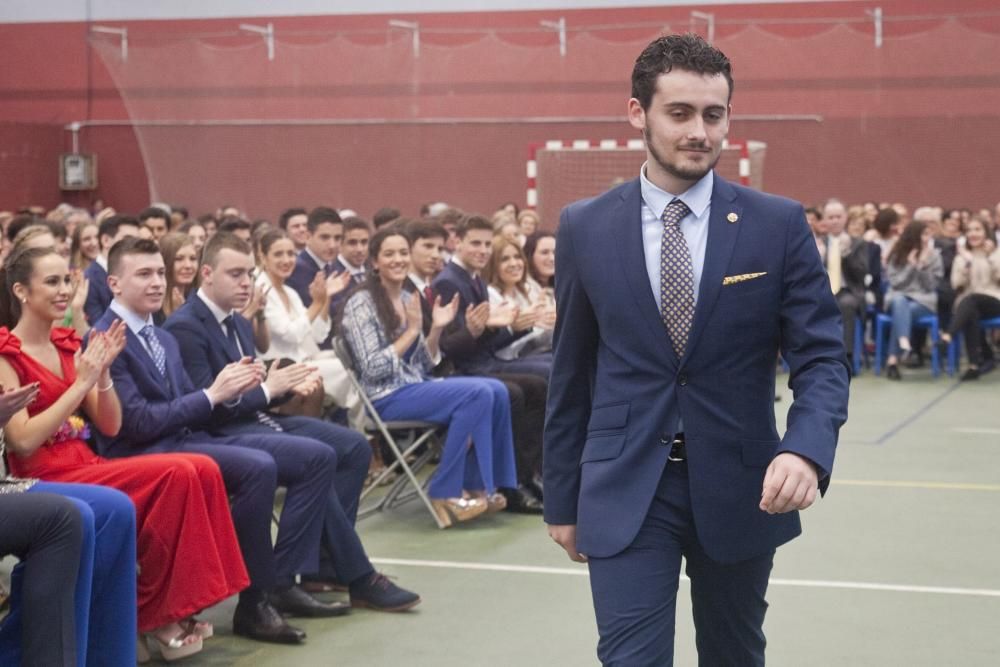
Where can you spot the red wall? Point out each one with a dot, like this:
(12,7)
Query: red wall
(904,123)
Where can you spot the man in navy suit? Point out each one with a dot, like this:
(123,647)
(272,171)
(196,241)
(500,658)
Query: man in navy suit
(489,329)
(660,438)
(163,412)
(99,296)
(353,257)
(326,233)
(212,334)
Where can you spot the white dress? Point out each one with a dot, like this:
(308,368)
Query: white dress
(294,337)
(540,338)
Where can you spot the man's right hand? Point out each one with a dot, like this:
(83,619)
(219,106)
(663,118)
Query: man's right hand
(280,381)
(565,536)
(475,318)
(234,380)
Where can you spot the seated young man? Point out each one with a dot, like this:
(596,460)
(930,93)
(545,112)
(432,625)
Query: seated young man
(213,335)
(326,233)
(353,257)
(163,412)
(99,296)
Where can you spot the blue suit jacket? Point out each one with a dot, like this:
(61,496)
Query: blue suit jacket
(618,390)
(205,351)
(99,295)
(464,350)
(156,413)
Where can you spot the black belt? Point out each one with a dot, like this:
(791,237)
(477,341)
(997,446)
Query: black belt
(678,451)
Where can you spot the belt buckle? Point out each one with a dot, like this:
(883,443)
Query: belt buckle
(676,445)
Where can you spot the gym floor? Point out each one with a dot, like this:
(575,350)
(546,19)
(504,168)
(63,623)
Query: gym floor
(898,565)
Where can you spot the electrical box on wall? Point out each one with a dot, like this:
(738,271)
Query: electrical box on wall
(77,171)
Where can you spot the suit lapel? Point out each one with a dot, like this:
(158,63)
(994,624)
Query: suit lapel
(627,223)
(135,345)
(721,241)
(214,329)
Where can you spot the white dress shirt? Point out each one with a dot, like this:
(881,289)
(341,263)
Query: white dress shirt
(293,336)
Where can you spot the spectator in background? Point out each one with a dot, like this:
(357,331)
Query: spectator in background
(846,260)
(295,223)
(384,216)
(975,275)
(914,271)
(507,277)
(238,226)
(86,246)
(326,232)
(529,222)
(383,325)
(20,221)
(228,211)
(210,223)
(156,220)
(814,218)
(196,231)
(99,295)
(856,226)
(884,232)
(540,251)
(510,208)
(506,226)
(952,226)
(178,216)
(297,331)
(180,259)
(946,246)
(449,218)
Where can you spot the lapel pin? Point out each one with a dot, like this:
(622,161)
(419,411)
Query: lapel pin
(732,217)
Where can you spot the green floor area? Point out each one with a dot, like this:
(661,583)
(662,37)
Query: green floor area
(898,565)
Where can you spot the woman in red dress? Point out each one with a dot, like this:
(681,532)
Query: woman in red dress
(188,555)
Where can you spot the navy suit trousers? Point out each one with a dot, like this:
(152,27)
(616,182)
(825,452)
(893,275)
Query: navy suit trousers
(635,591)
(342,555)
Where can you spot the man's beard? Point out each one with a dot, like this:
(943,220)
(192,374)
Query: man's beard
(674,170)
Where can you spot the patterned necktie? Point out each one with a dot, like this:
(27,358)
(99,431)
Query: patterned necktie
(155,348)
(429,294)
(328,269)
(676,277)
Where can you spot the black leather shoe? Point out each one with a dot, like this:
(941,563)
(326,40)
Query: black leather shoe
(892,372)
(376,591)
(261,621)
(296,602)
(522,501)
(537,486)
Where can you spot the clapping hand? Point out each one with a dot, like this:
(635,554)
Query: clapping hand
(337,283)
(414,314)
(90,363)
(476,317)
(526,319)
(503,315)
(443,314)
(81,286)
(257,299)
(13,401)
(114,338)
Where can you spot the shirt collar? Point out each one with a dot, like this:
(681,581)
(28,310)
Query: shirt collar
(418,282)
(697,198)
(320,263)
(132,320)
(217,312)
(102,262)
(353,270)
(460,264)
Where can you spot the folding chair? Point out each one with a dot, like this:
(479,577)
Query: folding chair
(403,438)
(883,324)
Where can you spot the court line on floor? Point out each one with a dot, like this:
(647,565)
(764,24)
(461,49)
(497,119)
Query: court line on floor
(921,411)
(799,583)
(906,484)
(976,431)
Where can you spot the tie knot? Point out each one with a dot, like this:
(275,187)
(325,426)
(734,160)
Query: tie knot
(147,331)
(674,212)
(228,320)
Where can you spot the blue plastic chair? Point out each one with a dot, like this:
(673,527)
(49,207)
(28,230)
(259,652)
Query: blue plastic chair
(883,324)
(955,347)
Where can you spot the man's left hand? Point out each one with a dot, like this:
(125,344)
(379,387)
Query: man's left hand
(790,483)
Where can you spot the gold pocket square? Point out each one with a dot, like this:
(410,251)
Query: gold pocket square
(743,277)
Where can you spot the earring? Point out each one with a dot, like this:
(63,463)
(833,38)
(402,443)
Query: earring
(24,300)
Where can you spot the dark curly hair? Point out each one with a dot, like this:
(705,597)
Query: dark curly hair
(687,52)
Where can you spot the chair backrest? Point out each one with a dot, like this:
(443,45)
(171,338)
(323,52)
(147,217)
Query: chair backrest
(343,351)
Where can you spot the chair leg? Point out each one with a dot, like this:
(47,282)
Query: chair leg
(935,354)
(879,351)
(859,344)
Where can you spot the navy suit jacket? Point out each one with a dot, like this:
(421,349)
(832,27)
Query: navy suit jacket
(618,390)
(156,413)
(457,344)
(99,295)
(205,351)
(302,276)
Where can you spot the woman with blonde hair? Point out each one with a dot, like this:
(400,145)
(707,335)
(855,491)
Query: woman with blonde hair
(181,261)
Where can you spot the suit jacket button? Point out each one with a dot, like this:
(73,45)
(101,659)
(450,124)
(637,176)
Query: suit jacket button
(682,379)
(666,439)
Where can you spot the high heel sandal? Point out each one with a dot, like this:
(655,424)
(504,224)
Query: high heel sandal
(457,509)
(193,626)
(177,648)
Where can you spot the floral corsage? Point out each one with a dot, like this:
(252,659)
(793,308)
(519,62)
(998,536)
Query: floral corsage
(74,428)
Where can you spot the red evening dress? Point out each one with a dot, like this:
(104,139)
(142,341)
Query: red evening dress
(188,555)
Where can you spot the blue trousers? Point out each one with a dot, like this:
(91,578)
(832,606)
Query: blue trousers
(635,591)
(904,311)
(476,408)
(346,454)
(85,615)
